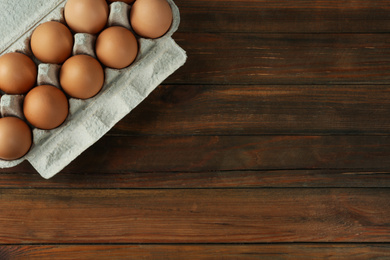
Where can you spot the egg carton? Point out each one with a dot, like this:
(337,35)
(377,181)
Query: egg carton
(90,119)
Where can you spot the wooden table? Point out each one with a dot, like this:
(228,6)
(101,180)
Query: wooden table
(272,142)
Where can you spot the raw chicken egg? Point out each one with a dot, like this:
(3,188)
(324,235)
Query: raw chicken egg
(116,47)
(18,73)
(15,138)
(45,107)
(52,42)
(82,76)
(151,18)
(86,16)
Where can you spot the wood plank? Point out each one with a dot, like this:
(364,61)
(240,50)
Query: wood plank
(272,59)
(260,109)
(214,179)
(194,216)
(281,16)
(179,252)
(127,154)
(222,153)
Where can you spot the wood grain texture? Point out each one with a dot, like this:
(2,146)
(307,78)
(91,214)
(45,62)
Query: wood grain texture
(127,154)
(220,153)
(215,179)
(260,109)
(272,59)
(179,252)
(194,216)
(284,16)
(272,142)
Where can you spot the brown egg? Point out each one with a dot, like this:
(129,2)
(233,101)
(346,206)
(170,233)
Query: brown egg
(86,16)
(52,42)
(151,18)
(18,73)
(45,107)
(15,138)
(82,76)
(116,47)
(125,1)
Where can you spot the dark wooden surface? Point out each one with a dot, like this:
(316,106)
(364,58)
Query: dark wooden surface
(272,142)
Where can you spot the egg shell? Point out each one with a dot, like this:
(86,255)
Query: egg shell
(151,18)
(46,107)
(52,42)
(15,138)
(17,73)
(81,76)
(86,16)
(116,47)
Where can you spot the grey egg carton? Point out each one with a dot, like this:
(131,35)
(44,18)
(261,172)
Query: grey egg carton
(90,119)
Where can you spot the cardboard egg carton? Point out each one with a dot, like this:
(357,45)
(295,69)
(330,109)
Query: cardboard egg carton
(90,119)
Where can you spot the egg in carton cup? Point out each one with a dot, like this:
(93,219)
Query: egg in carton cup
(88,120)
